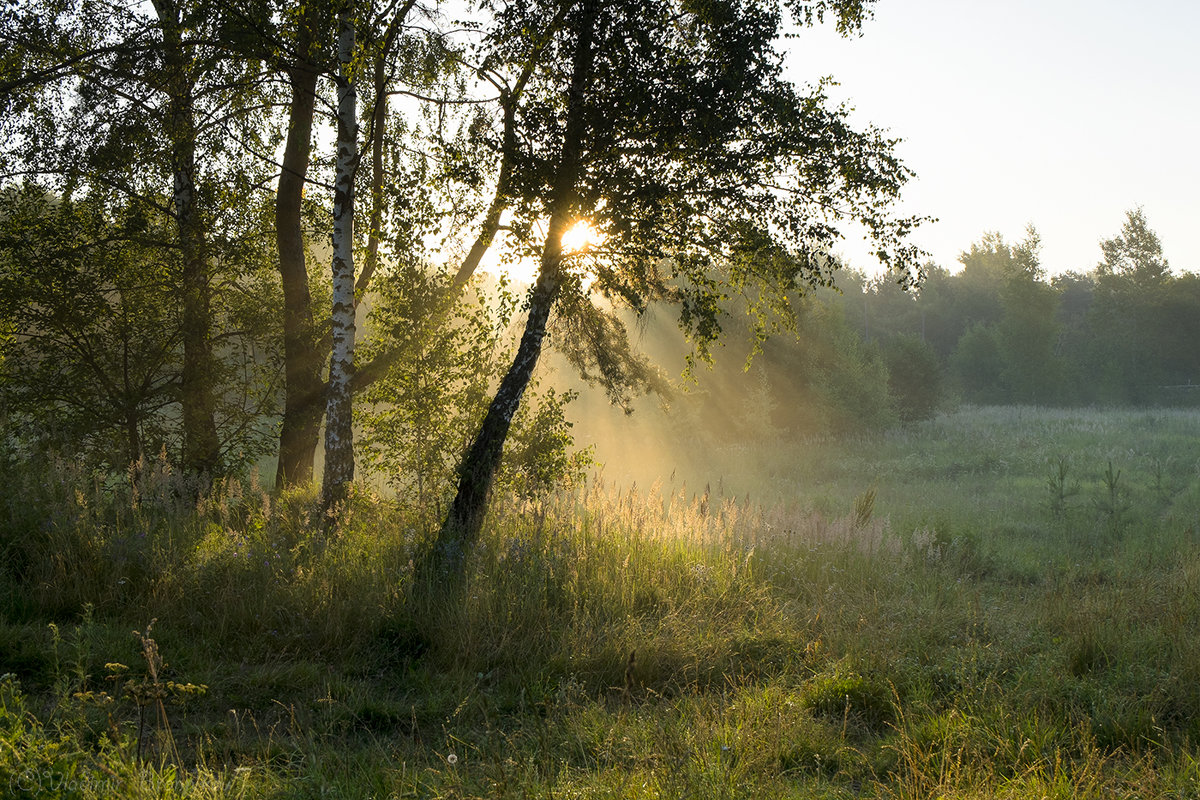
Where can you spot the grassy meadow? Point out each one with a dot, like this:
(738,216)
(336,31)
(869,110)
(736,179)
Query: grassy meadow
(1002,602)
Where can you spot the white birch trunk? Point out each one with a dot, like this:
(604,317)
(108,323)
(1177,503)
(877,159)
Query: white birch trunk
(339,434)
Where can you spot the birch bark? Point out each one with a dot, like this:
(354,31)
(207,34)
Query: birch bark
(478,471)
(339,434)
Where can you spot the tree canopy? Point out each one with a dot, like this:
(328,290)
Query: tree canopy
(711,181)
(713,186)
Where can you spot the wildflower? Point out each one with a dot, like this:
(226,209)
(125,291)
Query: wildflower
(452,759)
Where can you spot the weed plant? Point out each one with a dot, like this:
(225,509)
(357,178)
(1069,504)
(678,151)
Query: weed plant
(997,603)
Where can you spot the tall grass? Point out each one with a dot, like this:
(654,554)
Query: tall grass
(919,614)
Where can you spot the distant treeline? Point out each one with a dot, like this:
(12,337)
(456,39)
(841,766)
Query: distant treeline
(868,354)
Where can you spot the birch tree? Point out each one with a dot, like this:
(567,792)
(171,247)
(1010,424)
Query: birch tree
(339,435)
(714,184)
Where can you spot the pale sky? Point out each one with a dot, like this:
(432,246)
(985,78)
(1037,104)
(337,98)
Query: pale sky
(1062,113)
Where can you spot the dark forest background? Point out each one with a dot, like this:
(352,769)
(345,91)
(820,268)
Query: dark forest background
(868,354)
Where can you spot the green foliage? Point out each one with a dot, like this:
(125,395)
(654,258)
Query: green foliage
(1006,350)
(1135,255)
(418,419)
(92,361)
(855,390)
(844,695)
(608,643)
(596,343)
(647,102)
(1003,333)
(1113,503)
(827,379)
(92,358)
(977,365)
(1061,489)
(538,456)
(1134,350)
(33,763)
(1028,333)
(914,377)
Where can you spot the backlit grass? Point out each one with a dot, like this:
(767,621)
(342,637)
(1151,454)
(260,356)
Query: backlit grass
(914,615)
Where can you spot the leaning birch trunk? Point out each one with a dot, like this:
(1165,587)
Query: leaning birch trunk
(201,445)
(478,470)
(302,350)
(477,473)
(339,434)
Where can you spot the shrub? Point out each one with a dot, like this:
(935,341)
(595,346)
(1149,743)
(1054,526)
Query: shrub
(914,377)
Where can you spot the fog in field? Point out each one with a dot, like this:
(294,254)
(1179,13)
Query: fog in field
(866,356)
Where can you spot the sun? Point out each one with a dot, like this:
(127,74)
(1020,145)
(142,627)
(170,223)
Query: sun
(580,237)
